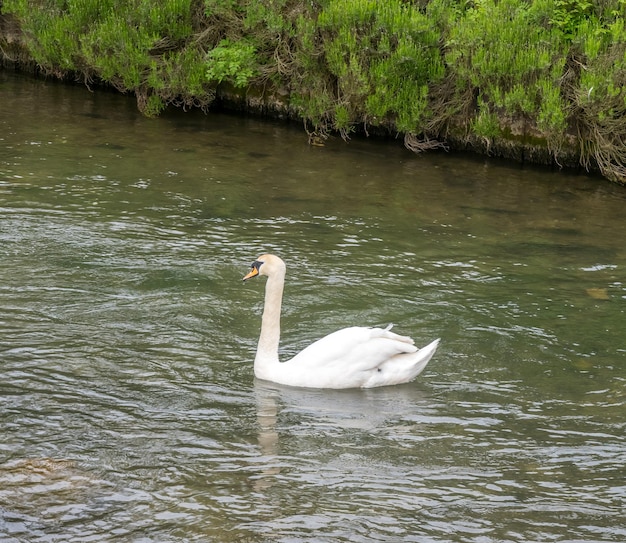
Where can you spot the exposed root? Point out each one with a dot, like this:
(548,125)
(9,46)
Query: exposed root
(412,143)
(317,136)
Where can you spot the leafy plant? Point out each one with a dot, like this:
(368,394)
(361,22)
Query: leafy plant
(231,61)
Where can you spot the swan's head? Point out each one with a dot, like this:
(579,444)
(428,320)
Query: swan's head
(266,265)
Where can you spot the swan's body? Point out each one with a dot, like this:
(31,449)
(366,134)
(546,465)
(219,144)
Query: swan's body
(356,357)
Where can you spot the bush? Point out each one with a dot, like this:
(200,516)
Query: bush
(506,53)
(598,93)
(383,57)
(139,46)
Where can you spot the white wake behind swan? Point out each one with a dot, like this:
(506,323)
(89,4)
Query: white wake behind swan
(355,357)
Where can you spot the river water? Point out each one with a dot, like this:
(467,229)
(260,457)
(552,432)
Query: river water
(129,409)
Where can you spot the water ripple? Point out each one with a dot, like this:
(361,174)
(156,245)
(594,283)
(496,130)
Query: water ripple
(129,407)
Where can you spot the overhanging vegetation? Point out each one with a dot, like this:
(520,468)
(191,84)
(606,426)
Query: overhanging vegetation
(546,75)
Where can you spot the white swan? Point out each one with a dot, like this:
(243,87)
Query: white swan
(349,358)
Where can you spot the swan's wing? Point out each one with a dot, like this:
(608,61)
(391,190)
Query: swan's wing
(353,349)
(355,357)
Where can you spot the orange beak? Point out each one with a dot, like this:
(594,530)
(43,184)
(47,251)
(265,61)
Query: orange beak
(252,273)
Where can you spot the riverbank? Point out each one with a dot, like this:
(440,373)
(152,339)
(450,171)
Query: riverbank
(541,82)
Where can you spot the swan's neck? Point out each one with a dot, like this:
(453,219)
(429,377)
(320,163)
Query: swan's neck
(267,350)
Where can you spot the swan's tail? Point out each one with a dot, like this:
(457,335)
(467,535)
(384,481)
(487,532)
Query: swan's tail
(422,358)
(403,368)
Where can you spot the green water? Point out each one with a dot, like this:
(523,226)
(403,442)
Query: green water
(129,410)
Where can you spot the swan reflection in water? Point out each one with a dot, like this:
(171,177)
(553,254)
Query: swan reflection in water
(289,418)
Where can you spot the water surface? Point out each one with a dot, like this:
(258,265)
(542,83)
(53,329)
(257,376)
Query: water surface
(129,407)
